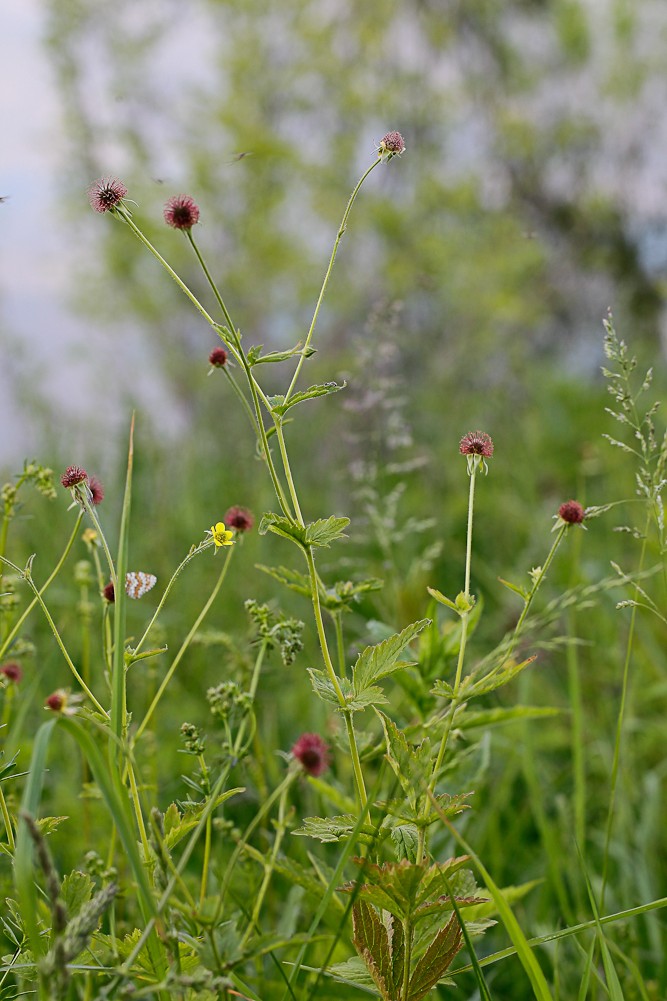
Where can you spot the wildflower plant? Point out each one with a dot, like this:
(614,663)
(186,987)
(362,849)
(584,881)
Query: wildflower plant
(392,891)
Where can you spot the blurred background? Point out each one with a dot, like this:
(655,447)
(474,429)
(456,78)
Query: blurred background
(469,292)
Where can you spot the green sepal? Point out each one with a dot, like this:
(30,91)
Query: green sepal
(440,597)
(517,588)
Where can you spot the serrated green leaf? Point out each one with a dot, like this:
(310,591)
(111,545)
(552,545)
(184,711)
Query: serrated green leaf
(189,820)
(371,696)
(498,677)
(292,579)
(328,829)
(370,938)
(325,530)
(381,660)
(487,718)
(76,890)
(432,966)
(280,407)
(406,840)
(324,689)
(287,527)
(407,890)
(412,766)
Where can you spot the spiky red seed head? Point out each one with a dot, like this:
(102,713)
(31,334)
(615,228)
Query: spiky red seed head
(312,752)
(181,212)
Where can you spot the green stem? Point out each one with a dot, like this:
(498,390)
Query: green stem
(471,505)
(184,646)
(339,236)
(269,866)
(619,728)
(195,551)
(407,939)
(333,678)
(287,470)
(7,822)
(56,570)
(536,585)
(25,574)
(127,218)
(256,820)
(255,389)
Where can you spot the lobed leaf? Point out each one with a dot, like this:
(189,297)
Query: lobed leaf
(379,661)
(279,406)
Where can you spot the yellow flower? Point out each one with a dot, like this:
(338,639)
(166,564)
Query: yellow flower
(221,535)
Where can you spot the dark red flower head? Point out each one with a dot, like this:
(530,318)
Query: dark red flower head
(391,144)
(239,518)
(73,476)
(96,491)
(571,512)
(109,593)
(218,357)
(57,701)
(106,194)
(12,672)
(312,752)
(181,212)
(476,443)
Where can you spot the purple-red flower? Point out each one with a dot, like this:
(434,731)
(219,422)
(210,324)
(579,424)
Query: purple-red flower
(476,443)
(218,358)
(571,512)
(109,593)
(181,212)
(239,518)
(391,144)
(73,476)
(312,752)
(96,491)
(106,194)
(12,672)
(62,701)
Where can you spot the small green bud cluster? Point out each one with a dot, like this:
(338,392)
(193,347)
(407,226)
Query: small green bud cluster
(193,738)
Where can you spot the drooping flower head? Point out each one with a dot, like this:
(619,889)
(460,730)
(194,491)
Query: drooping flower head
(181,212)
(239,518)
(109,593)
(570,513)
(218,358)
(221,535)
(392,144)
(96,491)
(105,195)
(12,672)
(312,752)
(477,446)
